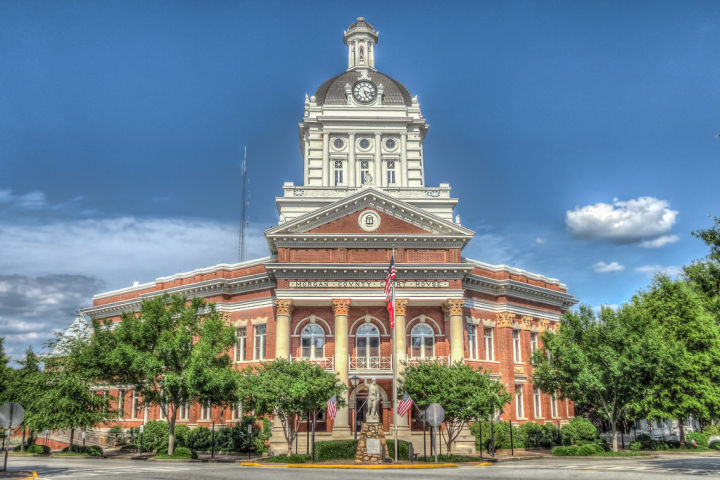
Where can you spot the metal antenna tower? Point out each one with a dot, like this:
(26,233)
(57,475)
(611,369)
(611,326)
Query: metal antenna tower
(243,208)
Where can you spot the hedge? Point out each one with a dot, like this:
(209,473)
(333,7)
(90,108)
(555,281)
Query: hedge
(35,448)
(403,449)
(93,450)
(180,452)
(335,450)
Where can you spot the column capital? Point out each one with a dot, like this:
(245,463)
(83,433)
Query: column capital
(505,319)
(544,324)
(526,322)
(401,306)
(283,306)
(341,306)
(454,306)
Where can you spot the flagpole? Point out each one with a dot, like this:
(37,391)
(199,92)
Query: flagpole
(395,360)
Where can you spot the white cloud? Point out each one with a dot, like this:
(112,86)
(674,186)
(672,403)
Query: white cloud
(635,220)
(602,267)
(540,241)
(28,201)
(651,270)
(612,306)
(661,241)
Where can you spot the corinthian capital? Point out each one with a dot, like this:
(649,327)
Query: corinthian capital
(401,306)
(341,306)
(454,306)
(505,319)
(283,306)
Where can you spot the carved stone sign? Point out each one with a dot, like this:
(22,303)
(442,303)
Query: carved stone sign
(367,284)
(373,446)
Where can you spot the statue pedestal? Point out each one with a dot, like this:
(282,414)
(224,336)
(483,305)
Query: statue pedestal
(372,446)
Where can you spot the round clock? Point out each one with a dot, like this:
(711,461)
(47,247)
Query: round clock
(364,91)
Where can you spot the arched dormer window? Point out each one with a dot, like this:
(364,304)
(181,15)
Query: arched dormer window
(422,341)
(312,340)
(367,341)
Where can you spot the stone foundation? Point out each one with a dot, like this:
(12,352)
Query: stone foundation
(371,435)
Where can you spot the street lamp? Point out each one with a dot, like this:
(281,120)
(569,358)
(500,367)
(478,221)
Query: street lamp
(354,381)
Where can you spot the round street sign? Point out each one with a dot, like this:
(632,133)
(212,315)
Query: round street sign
(434,414)
(11,415)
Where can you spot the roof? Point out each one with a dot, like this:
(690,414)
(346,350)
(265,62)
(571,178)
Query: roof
(332,92)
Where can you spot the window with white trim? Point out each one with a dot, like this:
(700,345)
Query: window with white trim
(472,342)
(240,344)
(367,341)
(205,410)
(553,406)
(519,403)
(137,408)
(391,172)
(537,402)
(338,171)
(121,403)
(489,345)
(533,342)
(183,411)
(517,354)
(312,341)
(260,338)
(365,172)
(237,411)
(422,341)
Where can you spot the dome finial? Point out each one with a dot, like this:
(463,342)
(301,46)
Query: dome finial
(361,38)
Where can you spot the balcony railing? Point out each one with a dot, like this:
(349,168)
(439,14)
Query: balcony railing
(328,363)
(440,360)
(370,363)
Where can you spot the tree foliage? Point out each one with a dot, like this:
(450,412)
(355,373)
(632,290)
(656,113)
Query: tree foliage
(288,389)
(464,393)
(173,351)
(607,361)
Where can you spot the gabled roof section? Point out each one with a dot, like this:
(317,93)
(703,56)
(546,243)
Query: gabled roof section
(421,224)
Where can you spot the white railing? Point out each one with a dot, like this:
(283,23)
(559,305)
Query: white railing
(328,363)
(370,363)
(417,360)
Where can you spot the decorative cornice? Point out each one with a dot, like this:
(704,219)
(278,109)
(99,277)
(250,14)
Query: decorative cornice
(401,306)
(367,271)
(341,306)
(368,241)
(505,319)
(283,306)
(513,288)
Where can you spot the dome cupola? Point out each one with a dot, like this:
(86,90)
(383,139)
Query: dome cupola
(360,39)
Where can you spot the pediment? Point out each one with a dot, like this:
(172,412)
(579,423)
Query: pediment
(349,216)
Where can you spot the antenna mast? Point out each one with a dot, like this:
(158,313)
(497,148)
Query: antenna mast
(243,208)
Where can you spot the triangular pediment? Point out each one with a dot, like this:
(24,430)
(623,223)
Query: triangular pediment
(349,216)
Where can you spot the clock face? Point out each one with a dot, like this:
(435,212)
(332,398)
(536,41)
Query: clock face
(364,91)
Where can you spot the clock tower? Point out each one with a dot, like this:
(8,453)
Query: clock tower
(362,129)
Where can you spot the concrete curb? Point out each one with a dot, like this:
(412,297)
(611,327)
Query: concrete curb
(31,477)
(347,467)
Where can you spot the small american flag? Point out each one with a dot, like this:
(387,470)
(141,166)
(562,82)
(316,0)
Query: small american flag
(332,407)
(405,404)
(390,290)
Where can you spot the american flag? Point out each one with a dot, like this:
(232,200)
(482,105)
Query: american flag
(390,290)
(332,407)
(405,404)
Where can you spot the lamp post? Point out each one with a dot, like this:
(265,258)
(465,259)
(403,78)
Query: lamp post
(354,381)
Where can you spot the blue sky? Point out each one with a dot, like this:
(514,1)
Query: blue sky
(580,137)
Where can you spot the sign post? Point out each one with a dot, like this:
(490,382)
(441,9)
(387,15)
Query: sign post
(11,416)
(435,415)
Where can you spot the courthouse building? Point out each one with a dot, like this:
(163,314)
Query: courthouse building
(319,295)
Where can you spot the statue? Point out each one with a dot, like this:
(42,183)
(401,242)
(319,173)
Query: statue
(373,402)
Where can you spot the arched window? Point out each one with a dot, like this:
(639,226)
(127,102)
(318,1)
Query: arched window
(367,341)
(312,339)
(422,340)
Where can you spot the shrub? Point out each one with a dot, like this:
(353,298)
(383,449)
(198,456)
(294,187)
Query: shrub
(155,436)
(712,429)
(579,432)
(590,449)
(502,435)
(646,443)
(539,436)
(181,435)
(92,450)
(715,445)
(559,451)
(340,449)
(403,449)
(288,459)
(700,438)
(180,452)
(635,446)
(199,438)
(41,449)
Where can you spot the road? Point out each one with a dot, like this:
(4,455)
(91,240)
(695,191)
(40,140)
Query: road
(664,467)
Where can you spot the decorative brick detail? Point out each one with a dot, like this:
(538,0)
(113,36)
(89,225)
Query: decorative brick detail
(341,306)
(401,306)
(283,306)
(505,319)
(373,431)
(454,306)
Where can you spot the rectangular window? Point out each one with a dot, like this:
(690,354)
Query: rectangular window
(472,342)
(519,402)
(537,402)
(240,342)
(183,411)
(121,404)
(489,347)
(553,406)
(260,342)
(237,411)
(365,172)
(533,342)
(517,355)
(338,171)
(391,172)
(205,410)
(137,410)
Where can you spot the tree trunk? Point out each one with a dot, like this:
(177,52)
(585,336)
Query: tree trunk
(171,431)
(72,434)
(22,445)
(613,427)
(681,428)
(290,437)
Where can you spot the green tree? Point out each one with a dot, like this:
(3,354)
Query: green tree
(690,380)
(288,389)
(173,351)
(704,276)
(22,386)
(711,237)
(465,394)
(5,372)
(608,361)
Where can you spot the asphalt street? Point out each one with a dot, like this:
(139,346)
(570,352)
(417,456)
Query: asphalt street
(664,467)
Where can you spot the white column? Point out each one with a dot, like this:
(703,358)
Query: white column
(379,180)
(283,308)
(404,170)
(351,161)
(341,307)
(454,308)
(326,159)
